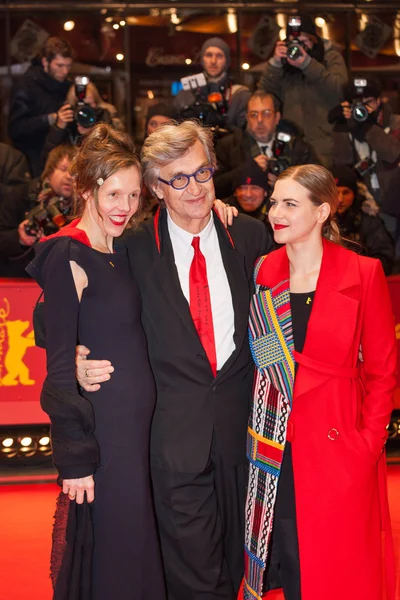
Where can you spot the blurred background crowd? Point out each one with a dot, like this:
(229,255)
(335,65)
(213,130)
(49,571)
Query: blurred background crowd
(280,84)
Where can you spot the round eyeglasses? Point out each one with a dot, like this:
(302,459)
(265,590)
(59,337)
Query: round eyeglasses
(181,181)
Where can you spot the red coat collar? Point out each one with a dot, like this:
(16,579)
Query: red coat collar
(339,268)
(71,231)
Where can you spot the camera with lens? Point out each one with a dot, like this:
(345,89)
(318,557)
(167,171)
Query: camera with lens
(49,214)
(279,162)
(359,111)
(210,105)
(85,115)
(295,45)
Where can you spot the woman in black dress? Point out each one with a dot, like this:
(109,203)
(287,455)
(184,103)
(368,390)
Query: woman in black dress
(100,447)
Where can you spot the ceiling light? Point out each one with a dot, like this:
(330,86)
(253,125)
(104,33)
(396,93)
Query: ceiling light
(320,22)
(122,23)
(119,56)
(26,441)
(245,66)
(188,61)
(109,19)
(231,18)
(116,26)
(44,441)
(69,25)
(150,95)
(7,442)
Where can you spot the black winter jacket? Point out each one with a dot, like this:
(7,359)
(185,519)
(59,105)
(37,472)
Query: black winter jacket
(365,232)
(33,98)
(384,138)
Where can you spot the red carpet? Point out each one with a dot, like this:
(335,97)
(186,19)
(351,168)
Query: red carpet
(26,513)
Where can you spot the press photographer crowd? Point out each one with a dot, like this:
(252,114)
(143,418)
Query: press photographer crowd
(305,109)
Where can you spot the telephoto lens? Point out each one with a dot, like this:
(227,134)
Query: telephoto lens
(359,111)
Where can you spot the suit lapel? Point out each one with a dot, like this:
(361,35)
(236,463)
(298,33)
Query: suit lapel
(235,268)
(166,275)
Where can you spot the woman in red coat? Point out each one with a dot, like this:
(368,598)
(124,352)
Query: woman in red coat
(323,340)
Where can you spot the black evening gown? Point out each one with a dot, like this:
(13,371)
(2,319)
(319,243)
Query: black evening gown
(283,564)
(126,562)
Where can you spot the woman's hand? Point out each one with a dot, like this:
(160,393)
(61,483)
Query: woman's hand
(225,212)
(76,488)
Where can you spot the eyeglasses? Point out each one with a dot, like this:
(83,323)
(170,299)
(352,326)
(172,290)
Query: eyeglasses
(181,181)
(265,114)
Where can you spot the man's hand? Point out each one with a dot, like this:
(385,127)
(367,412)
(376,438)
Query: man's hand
(24,238)
(76,488)
(225,212)
(272,179)
(299,62)
(65,115)
(280,51)
(262,161)
(90,373)
(346,110)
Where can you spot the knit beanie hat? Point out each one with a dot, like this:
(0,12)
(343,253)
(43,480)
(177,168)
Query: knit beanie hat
(345,177)
(250,174)
(159,109)
(218,43)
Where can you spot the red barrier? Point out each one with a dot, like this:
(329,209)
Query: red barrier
(22,364)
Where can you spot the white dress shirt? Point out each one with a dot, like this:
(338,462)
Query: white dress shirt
(268,152)
(220,292)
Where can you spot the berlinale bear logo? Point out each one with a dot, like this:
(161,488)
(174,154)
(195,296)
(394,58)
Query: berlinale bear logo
(14,342)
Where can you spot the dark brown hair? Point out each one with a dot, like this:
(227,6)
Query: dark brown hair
(56,156)
(261,95)
(104,151)
(56,46)
(322,188)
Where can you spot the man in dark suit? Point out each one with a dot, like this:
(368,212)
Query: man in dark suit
(195,279)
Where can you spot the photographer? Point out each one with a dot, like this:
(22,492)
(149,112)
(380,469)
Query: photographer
(77,117)
(307,74)
(357,217)
(367,136)
(218,102)
(19,231)
(36,100)
(259,142)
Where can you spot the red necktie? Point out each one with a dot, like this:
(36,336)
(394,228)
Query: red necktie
(200,303)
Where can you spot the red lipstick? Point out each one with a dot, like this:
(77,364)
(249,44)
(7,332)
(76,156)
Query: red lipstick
(278,226)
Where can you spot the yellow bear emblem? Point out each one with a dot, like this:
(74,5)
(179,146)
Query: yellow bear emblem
(18,343)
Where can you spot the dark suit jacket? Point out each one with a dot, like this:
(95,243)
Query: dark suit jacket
(191,404)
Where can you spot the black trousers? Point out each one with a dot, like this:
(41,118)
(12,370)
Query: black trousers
(201,525)
(283,564)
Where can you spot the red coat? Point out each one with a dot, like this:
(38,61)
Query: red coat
(338,428)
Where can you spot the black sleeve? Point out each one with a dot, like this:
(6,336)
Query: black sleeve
(378,242)
(13,206)
(71,415)
(55,137)
(224,177)
(21,122)
(303,154)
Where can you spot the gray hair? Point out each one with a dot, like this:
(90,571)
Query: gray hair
(170,142)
